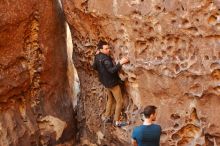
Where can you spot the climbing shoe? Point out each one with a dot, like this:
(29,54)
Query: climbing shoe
(120,124)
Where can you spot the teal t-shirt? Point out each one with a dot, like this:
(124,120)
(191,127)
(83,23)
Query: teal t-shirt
(147,135)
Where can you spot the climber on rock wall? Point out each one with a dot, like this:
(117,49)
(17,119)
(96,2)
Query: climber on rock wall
(149,133)
(108,75)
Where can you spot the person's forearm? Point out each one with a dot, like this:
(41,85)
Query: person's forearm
(134,143)
(112,69)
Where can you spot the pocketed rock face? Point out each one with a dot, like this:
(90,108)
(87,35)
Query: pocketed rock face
(35,101)
(173,47)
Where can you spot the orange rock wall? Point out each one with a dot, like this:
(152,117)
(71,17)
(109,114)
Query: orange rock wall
(35,104)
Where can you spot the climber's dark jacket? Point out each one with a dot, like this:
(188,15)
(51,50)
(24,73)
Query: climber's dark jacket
(107,70)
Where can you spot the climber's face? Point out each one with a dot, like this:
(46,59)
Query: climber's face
(105,50)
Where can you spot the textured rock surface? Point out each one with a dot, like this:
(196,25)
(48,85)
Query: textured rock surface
(175,64)
(35,97)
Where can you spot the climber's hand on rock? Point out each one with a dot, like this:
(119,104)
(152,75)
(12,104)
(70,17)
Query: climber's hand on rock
(124,60)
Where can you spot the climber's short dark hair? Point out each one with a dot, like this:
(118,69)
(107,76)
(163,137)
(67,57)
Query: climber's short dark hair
(101,44)
(148,110)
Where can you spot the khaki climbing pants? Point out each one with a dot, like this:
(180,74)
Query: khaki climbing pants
(114,103)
